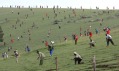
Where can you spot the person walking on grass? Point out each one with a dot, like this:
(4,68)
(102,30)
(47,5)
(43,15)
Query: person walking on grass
(4,55)
(12,40)
(76,39)
(96,31)
(108,30)
(46,43)
(90,35)
(41,57)
(16,54)
(50,49)
(77,58)
(109,39)
(65,39)
(27,49)
(85,33)
(73,36)
(9,48)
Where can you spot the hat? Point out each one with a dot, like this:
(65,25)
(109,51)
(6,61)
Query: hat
(52,42)
(75,52)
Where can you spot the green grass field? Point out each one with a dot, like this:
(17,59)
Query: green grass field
(107,58)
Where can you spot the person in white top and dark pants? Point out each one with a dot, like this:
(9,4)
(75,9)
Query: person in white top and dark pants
(77,58)
(109,39)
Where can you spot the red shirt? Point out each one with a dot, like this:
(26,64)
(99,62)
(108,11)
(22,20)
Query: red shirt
(90,34)
(108,32)
(76,37)
(46,43)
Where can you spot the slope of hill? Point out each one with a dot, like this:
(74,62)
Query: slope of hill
(34,25)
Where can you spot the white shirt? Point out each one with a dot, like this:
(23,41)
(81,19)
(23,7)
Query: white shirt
(41,55)
(109,36)
(78,56)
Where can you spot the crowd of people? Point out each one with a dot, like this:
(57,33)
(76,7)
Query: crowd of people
(51,47)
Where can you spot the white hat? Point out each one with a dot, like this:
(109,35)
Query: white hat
(75,52)
(52,42)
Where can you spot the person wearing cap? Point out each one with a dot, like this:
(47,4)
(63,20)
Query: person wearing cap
(51,49)
(40,57)
(52,43)
(77,58)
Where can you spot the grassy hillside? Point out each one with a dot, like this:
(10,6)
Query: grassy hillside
(38,22)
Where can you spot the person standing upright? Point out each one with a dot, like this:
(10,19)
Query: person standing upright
(76,39)
(16,55)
